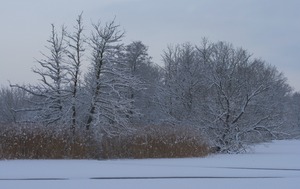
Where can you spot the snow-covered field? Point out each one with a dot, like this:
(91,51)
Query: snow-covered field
(269,166)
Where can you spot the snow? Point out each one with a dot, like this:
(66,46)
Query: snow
(269,166)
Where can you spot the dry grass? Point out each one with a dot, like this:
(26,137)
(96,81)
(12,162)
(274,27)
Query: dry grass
(31,142)
(156,142)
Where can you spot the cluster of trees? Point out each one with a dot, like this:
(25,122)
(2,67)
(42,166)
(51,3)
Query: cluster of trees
(231,97)
(222,92)
(104,96)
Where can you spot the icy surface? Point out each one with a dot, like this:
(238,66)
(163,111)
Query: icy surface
(269,166)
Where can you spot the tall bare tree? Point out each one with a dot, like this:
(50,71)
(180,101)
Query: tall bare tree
(49,95)
(109,80)
(75,53)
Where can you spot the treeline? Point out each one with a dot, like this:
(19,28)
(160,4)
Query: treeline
(214,90)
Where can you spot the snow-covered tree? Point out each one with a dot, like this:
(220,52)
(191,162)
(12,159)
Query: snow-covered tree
(49,95)
(142,68)
(75,50)
(244,100)
(12,99)
(182,83)
(108,80)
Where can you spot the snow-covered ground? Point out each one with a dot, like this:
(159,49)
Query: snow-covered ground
(268,166)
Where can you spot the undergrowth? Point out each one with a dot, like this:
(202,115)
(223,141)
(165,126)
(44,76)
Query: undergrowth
(155,142)
(33,142)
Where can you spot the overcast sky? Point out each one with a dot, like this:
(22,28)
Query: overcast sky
(269,29)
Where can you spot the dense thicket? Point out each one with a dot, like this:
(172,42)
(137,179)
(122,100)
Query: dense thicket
(215,90)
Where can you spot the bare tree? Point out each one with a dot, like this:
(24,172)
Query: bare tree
(108,80)
(142,68)
(244,100)
(49,94)
(75,55)
(182,83)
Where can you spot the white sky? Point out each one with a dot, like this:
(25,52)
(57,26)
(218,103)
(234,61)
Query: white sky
(269,29)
